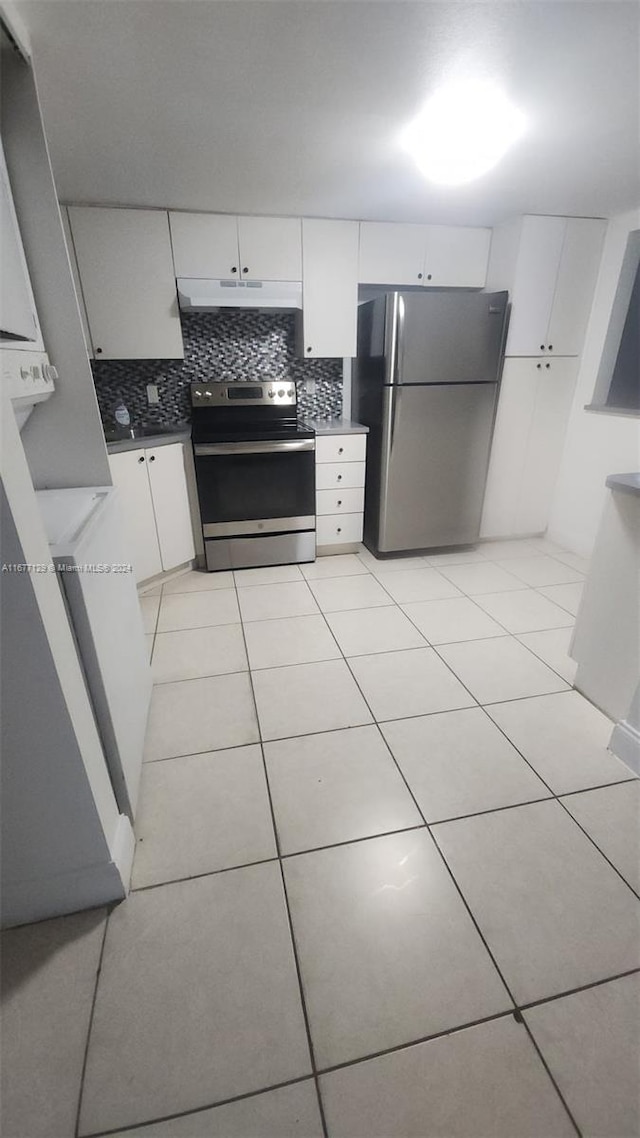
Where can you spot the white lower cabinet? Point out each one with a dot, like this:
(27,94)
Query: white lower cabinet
(155,505)
(533,412)
(340,470)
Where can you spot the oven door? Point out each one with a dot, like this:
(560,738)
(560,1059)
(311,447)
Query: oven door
(253,491)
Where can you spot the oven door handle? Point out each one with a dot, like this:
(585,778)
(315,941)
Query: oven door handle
(266,447)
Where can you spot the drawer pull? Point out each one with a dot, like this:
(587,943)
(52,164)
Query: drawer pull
(339,478)
(339,530)
(339,502)
(340,450)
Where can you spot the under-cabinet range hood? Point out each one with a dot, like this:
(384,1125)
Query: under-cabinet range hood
(196,294)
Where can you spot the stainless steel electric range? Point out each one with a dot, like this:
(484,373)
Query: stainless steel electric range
(255,473)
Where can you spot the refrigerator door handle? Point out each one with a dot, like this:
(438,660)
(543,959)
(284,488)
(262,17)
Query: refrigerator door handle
(392,331)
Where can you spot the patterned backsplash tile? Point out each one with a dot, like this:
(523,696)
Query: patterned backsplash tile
(229,345)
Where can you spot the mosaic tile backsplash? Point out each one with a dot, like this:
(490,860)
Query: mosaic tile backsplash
(228,345)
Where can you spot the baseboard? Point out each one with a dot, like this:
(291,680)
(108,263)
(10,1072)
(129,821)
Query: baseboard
(625,744)
(24,902)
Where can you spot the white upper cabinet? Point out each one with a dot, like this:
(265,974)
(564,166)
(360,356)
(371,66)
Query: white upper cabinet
(217,246)
(391,253)
(551,282)
(329,289)
(436,256)
(575,285)
(270,248)
(126,270)
(456,257)
(205,245)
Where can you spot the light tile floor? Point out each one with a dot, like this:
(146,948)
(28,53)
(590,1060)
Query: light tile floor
(386,883)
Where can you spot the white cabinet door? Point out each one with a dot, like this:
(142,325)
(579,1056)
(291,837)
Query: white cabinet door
(168,480)
(533,412)
(456,257)
(537,267)
(391,253)
(508,448)
(129,474)
(205,245)
(126,270)
(270,248)
(555,384)
(329,288)
(575,285)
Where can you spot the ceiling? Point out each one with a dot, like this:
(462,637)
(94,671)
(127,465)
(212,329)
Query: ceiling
(267,106)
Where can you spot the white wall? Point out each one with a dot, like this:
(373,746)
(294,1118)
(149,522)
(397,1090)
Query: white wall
(596,444)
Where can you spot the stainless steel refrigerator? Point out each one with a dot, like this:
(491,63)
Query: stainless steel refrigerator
(425,382)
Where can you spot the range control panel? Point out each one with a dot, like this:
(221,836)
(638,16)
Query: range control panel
(278,393)
(29,376)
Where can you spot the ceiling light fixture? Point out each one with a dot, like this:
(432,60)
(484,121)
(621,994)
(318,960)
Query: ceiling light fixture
(463,131)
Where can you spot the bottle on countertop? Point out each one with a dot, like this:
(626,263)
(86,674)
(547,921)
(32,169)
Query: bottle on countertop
(121,414)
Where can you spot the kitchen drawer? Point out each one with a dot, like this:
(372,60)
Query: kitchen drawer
(338,529)
(343,474)
(340,501)
(341,448)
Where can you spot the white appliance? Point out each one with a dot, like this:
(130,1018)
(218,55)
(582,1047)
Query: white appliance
(197,294)
(24,365)
(84,529)
(30,379)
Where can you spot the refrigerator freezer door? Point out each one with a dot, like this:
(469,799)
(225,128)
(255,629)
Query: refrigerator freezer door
(435,453)
(446,337)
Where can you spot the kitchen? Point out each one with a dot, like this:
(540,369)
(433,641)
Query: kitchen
(272,671)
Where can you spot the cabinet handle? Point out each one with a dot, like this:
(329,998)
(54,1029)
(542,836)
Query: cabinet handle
(152,458)
(339,478)
(339,502)
(340,450)
(419,276)
(542,347)
(339,529)
(547,365)
(550,347)
(233,269)
(141,459)
(428,276)
(308,349)
(98,351)
(538,366)
(245,269)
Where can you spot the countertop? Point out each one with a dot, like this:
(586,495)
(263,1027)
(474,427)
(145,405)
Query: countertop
(336,427)
(177,435)
(629,483)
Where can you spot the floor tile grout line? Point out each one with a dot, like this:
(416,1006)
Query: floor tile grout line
(197,1109)
(426,824)
(635,891)
(421,814)
(518,1017)
(205,873)
(85,1057)
(294,946)
(513,635)
(369,1057)
(465,903)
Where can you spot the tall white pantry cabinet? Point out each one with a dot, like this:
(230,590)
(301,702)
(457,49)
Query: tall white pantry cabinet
(549,265)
